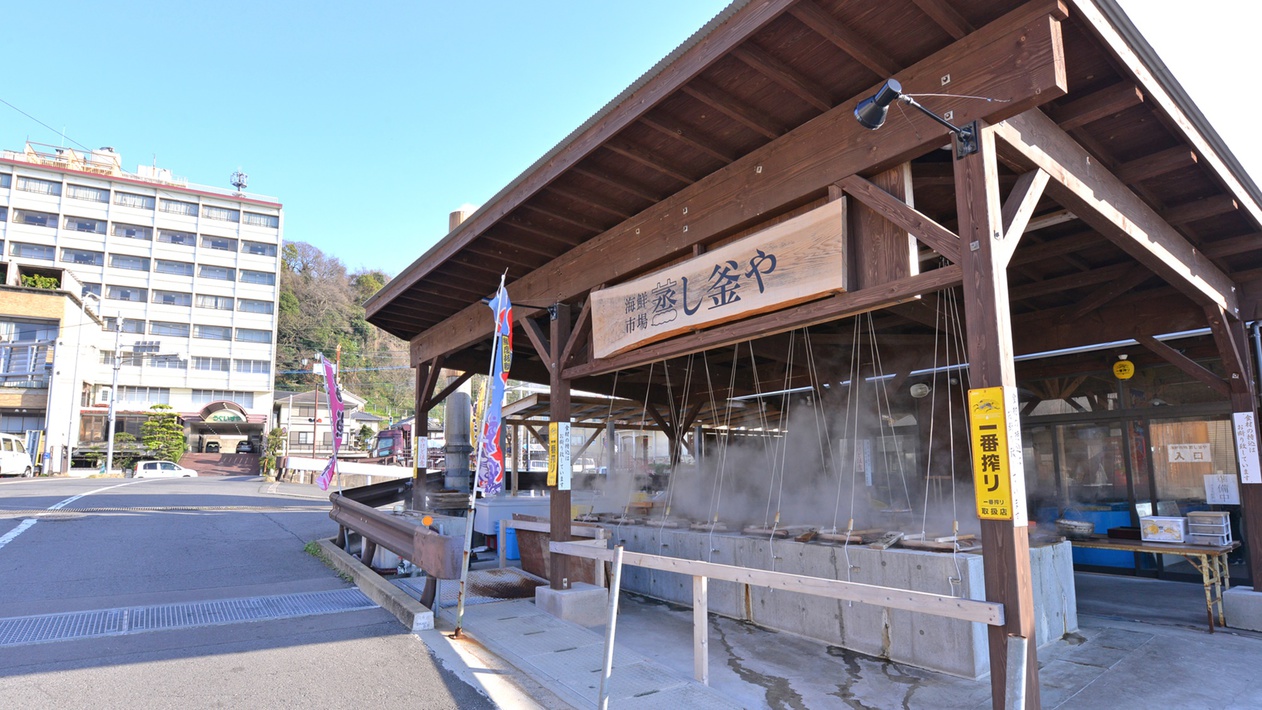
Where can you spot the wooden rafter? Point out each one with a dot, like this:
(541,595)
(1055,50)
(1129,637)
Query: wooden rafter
(648,160)
(747,116)
(1018,209)
(945,16)
(688,137)
(618,183)
(591,200)
(784,75)
(846,39)
(1104,202)
(1155,164)
(1124,283)
(1095,106)
(1200,209)
(568,218)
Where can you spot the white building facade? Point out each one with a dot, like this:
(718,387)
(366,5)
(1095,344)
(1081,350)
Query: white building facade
(189,275)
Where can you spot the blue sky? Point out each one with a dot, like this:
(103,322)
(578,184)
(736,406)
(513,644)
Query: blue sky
(372,121)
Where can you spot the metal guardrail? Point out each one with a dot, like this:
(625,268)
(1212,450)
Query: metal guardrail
(439,555)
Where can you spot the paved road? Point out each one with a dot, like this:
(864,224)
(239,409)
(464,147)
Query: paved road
(124,544)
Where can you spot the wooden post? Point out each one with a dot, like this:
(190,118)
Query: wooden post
(420,429)
(1233,344)
(558,576)
(1005,543)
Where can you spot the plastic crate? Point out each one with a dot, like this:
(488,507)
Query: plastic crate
(1205,526)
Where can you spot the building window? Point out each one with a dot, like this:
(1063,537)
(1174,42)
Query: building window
(126,293)
(305,437)
(221,213)
(265,278)
(252,335)
(35,219)
(5,179)
(248,305)
(87,194)
(83,224)
(176,330)
(82,256)
(178,207)
(94,289)
(4,214)
(147,395)
(258,248)
(222,243)
(219,273)
(219,303)
(107,357)
(261,220)
(131,263)
(169,362)
(212,332)
(211,364)
(31,251)
(204,397)
(130,325)
(184,239)
(129,199)
(172,298)
(133,231)
(178,268)
(39,187)
(258,367)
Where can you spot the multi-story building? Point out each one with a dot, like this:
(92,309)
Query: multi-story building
(187,275)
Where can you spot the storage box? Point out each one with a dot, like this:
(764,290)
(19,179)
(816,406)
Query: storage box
(1156,528)
(1219,540)
(1209,527)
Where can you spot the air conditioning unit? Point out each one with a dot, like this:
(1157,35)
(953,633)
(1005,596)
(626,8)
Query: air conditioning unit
(103,395)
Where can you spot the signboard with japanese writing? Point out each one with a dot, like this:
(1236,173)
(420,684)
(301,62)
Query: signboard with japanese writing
(1189,453)
(559,464)
(1247,447)
(998,467)
(795,261)
(1222,489)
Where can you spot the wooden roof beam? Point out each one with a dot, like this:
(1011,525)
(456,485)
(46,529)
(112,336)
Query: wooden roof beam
(688,138)
(643,157)
(549,235)
(1095,106)
(750,118)
(1104,202)
(627,186)
(562,217)
(1232,246)
(784,75)
(1155,164)
(1200,209)
(1019,56)
(1060,284)
(846,39)
(1128,281)
(590,200)
(1185,364)
(934,235)
(945,16)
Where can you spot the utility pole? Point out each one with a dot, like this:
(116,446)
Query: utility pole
(118,363)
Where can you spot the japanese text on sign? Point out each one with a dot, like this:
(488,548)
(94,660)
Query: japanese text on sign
(559,455)
(1247,447)
(1189,453)
(998,471)
(797,260)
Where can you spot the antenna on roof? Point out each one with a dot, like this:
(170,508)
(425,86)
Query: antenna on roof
(239,180)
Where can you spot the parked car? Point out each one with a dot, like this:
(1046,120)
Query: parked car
(212,447)
(162,469)
(14,459)
(245,447)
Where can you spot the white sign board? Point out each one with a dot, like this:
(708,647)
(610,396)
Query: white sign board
(1222,489)
(559,463)
(1189,453)
(1247,447)
(421,460)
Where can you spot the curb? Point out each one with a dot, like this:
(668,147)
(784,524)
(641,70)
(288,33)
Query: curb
(412,614)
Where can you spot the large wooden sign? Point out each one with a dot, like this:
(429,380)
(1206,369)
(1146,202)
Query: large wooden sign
(795,261)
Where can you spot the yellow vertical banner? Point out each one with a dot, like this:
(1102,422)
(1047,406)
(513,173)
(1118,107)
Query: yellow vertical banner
(552,453)
(998,469)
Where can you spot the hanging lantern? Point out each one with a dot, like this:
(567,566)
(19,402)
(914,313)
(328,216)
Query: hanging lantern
(1123,369)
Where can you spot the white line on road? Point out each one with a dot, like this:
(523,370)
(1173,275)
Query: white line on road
(26,524)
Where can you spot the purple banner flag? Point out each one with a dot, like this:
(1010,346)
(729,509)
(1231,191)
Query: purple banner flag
(491,457)
(336,421)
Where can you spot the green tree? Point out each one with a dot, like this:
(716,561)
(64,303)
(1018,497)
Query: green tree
(126,451)
(163,434)
(273,444)
(37,281)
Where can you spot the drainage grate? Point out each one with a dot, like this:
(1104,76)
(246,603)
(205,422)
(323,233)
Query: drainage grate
(113,622)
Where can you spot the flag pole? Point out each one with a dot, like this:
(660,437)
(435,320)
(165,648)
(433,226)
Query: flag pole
(477,467)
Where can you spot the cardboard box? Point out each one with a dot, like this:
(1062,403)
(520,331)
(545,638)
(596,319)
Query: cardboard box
(1156,528)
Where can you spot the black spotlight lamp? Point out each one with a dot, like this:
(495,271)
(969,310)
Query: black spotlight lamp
(871,112)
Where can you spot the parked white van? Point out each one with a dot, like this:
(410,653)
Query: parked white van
(14,459)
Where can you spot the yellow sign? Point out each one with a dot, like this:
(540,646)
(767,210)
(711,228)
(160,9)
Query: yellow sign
(998,473)
(1123,369)
(552,454)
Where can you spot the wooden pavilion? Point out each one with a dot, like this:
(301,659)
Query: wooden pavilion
(1099,206)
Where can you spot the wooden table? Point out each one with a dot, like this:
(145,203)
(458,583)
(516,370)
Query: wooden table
(1210,560)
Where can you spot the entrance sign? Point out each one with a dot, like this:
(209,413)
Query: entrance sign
(224,415)
(559,468)
(1189,453)
(1247,447)
(998,469)
(795,261)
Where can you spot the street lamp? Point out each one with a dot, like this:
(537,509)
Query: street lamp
(870,113)
(71,439)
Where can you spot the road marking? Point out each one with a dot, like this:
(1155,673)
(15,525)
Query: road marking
(26,524)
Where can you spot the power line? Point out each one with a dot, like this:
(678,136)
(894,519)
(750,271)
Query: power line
(45,125)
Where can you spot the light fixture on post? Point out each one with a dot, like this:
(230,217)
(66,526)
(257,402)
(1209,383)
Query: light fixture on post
(871,115)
